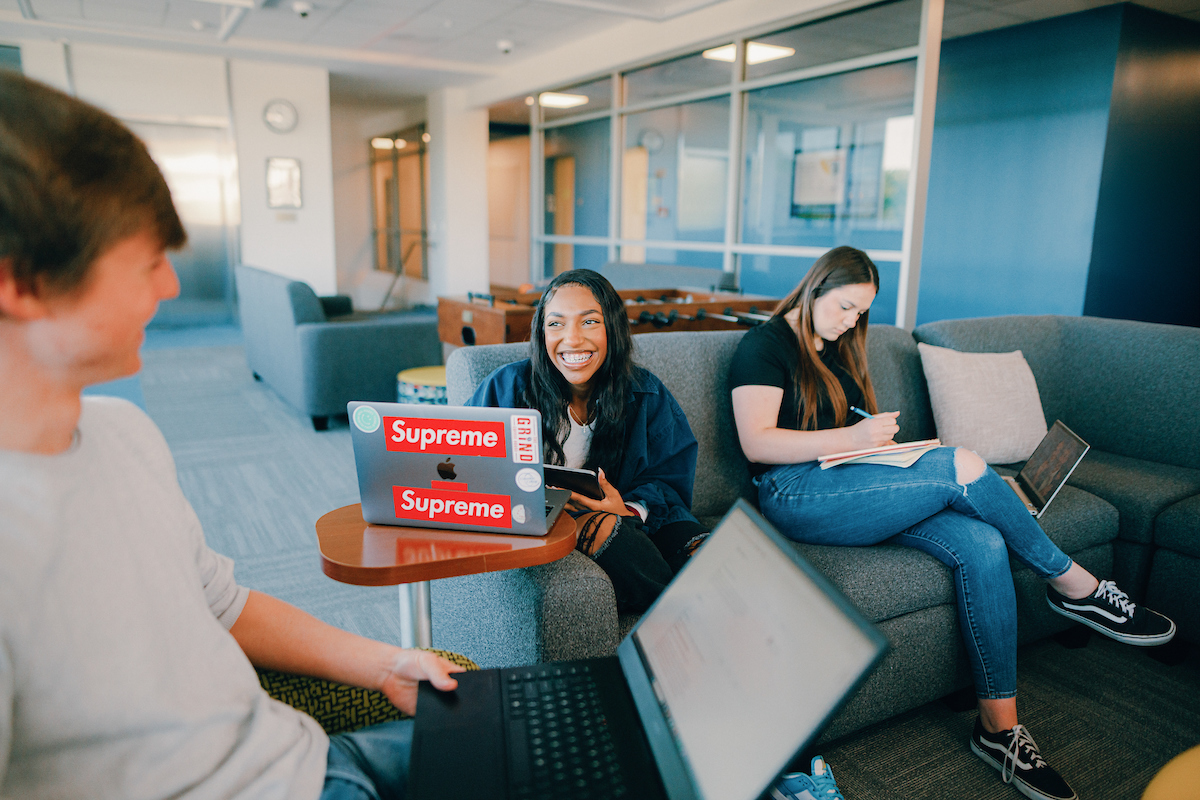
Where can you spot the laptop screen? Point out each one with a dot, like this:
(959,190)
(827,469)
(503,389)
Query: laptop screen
(1051,463)
(748,656)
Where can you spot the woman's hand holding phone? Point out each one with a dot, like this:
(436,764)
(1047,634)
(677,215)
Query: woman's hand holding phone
(612,501)
(875,431)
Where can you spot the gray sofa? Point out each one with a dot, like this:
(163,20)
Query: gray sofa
(318,354)
(1132,509)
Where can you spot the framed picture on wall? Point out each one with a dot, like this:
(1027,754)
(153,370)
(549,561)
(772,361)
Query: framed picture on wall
(283,183)
(818,183)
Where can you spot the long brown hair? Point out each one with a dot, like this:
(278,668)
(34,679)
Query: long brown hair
(841,266)
(73,182)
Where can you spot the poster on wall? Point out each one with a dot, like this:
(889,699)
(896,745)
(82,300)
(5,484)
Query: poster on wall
(283,183)
(818,183)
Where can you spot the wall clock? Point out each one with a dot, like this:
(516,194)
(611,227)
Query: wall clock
(280,116)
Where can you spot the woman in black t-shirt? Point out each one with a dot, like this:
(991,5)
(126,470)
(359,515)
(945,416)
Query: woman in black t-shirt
(801,389)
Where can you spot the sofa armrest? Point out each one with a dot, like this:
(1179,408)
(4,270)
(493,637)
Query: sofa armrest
(336,305)
(359,359)
(552,612)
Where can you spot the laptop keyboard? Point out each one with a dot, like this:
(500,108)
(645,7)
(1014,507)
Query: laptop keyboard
(558,740)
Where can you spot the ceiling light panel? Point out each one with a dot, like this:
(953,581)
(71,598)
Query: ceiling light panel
(562,100)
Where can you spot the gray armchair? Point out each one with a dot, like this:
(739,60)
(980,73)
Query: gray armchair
(566,609)
(318,354)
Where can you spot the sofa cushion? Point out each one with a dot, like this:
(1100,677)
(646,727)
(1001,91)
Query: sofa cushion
(1078,520)
(1128,383)
(986,402)
(1178,528)
(1038,338)
(883,581)
(899,383)
(1139,489)
(694,366)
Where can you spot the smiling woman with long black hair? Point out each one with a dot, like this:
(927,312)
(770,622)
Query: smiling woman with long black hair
(601,411)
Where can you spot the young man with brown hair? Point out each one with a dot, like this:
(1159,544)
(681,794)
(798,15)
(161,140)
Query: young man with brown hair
(126,647)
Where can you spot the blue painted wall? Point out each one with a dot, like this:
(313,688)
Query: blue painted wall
(1018,148)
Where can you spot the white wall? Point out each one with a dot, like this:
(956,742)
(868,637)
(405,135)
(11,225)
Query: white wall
(153,85)
(458,211)
(299,242)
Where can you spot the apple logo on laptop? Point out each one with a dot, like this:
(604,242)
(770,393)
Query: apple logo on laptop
(446,470)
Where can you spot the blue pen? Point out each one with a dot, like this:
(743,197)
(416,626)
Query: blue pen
(862,413)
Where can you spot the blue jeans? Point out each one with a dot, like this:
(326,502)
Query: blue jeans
(370,763)
(970,529)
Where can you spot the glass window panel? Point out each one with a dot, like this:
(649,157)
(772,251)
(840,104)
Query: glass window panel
(888,26)
(775,276)
(651,256)
(576,172)
(562,257)
(10,58)
(675,173)
(687,74)
(827,160)
(598,94)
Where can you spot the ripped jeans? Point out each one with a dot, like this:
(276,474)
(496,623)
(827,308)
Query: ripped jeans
(970,529)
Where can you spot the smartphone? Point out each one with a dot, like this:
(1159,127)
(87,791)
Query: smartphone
(583,481)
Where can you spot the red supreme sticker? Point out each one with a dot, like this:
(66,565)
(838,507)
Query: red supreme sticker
(451,437)
(439,505)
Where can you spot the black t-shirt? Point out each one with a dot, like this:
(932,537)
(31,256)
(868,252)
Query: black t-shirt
(767,355)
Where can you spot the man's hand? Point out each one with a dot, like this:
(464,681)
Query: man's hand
(612,501)
(410,667)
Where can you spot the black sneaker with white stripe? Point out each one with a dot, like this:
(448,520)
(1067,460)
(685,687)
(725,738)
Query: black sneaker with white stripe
(1109,611)
(1015,754)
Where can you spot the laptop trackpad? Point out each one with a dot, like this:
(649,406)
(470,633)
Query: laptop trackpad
(452,724)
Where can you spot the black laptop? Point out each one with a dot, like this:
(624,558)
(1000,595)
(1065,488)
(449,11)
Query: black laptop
(1047,470)
(732,672)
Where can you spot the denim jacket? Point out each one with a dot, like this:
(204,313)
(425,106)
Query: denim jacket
(659,467)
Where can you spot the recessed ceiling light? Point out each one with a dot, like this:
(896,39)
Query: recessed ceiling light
(560,100)
(401,144)
(425,137)
(529,100)
(756,52)
(197,25)
(382,143)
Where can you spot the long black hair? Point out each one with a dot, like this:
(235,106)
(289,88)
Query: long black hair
(550,393)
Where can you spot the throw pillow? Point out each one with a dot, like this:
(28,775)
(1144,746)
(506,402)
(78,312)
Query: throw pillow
(986,402)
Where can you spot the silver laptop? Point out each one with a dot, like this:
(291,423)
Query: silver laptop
(732,672)
(1047,470)
(456,467)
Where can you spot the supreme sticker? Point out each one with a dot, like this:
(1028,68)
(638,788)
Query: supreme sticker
(525,448)
(440,505)
(452,437)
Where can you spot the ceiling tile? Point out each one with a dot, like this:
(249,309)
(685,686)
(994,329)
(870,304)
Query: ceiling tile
(1044,9)
(57,9)
(382,15)
(1188,8)
(977,22)
(136,13)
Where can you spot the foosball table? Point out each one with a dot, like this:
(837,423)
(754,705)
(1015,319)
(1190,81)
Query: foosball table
(503,316)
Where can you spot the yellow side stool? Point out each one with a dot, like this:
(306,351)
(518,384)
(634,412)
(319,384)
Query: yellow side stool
(1178,780)
(422,385)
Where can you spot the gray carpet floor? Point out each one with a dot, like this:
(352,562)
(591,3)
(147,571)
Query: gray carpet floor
(1106,716)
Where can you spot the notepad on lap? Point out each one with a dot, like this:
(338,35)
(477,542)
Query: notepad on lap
(891,455)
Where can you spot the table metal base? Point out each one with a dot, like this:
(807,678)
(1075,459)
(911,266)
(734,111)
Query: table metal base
(416,622)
